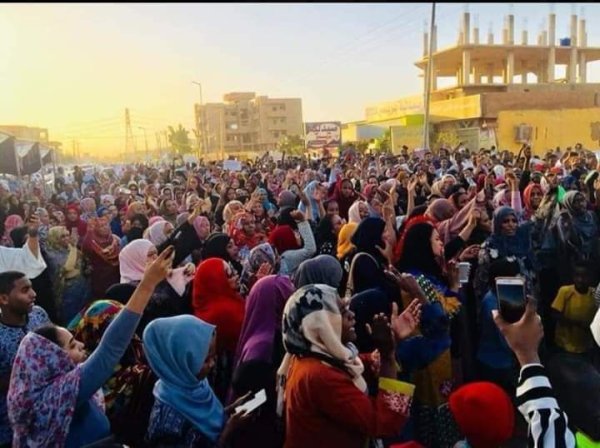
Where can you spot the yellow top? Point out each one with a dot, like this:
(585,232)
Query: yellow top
(574,337)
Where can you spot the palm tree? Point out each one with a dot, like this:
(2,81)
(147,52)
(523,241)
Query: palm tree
(179,140)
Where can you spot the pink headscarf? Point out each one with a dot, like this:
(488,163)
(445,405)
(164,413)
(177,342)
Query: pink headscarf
(155,219)
(11,223)
(198,223)
(156,233)
(132,264)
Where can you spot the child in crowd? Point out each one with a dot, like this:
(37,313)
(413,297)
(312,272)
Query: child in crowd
(574,308)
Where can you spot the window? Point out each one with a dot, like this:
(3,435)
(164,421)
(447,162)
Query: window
(276,134)
(274,108)
(245,138)
(282,120)
(282,107)
(283,132)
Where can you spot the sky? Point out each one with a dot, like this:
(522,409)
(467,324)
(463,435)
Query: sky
(74,68)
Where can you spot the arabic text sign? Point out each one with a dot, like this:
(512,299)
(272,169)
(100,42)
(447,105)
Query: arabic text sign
(323,135)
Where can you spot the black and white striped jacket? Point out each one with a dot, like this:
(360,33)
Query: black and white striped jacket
(548,424)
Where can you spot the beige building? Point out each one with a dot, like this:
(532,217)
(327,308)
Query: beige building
(502,93)
(245,125)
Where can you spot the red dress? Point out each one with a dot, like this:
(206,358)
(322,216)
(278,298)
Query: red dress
(325,409)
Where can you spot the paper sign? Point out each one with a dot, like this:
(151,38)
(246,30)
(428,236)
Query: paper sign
(232,165)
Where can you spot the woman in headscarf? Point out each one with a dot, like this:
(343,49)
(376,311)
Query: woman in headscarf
(259,353)
(263,198)
(88,209)
(67,271)
(11,223)
(294,246)
(52,399)
(323,269)
(309,192)
(44,216)
(231,209)
(169,297)
(74,223)
(426,357)
(244,234)
(366,269)
(101,248)
(261,261)
(186,412)
(358,211)
(577,234)
(128,392)
(532,198)
(321,386)
(345,195)
(286,199)
(216,299)
(159,232)
(221,245)
(509,239)
(326,234)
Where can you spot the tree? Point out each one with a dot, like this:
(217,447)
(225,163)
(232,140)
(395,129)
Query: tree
(292,145)
(179,140)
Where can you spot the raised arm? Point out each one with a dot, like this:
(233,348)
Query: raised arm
(98,368)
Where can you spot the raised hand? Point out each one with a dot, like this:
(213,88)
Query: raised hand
(264,270)
(408,321)
(297,215)
(381,333)
(159,269)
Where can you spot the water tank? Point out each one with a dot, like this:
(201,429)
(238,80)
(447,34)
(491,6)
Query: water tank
(565,42)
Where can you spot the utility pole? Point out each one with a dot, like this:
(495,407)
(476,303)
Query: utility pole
(201,121)
(428,74)
(146,143)
(130,146)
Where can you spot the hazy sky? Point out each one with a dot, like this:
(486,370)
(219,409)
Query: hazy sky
(73,68)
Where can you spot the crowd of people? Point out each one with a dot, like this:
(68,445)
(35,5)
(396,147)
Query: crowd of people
(144,305)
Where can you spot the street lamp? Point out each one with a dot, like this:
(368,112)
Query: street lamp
(146,142)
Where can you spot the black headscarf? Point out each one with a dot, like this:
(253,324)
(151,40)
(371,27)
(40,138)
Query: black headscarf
(216,247)
(284,218)
(416,251)
(324,232)
(368,235)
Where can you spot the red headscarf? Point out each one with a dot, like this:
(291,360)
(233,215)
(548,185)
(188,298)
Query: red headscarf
(283,239)
(80,224)
(214,301)
(528,212)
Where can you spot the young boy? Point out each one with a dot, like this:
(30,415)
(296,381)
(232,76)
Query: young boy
(574,308)
(18,315)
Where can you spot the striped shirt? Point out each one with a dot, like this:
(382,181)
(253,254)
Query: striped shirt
(548,424)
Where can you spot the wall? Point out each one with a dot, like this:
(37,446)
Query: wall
(551,128)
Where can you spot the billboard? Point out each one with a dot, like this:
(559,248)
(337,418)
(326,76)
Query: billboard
(324,135)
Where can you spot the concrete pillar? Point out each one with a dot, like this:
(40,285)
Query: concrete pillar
(425,43)
(545,38)
(573,30)
(511,29)
(581,38)
(510,68)
(552,50)
(490,75)
(466,67)
(476,36)
(551,64)
(572,69)
(466,28)
(582,78)
(434,40)
(524,37)
(459,76)
(476,74)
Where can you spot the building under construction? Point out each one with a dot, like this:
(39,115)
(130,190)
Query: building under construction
(503,93)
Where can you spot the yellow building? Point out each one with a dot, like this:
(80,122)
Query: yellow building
(503,94)
(245,125)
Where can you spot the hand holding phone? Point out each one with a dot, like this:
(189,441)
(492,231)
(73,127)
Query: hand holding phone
(510,292)
(258,400)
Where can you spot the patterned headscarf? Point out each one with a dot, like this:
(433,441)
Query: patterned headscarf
(312,326)
(88,327)
(42,394)
(263,253)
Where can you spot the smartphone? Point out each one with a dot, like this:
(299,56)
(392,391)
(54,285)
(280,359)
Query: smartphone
(510,292)
(259,399)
